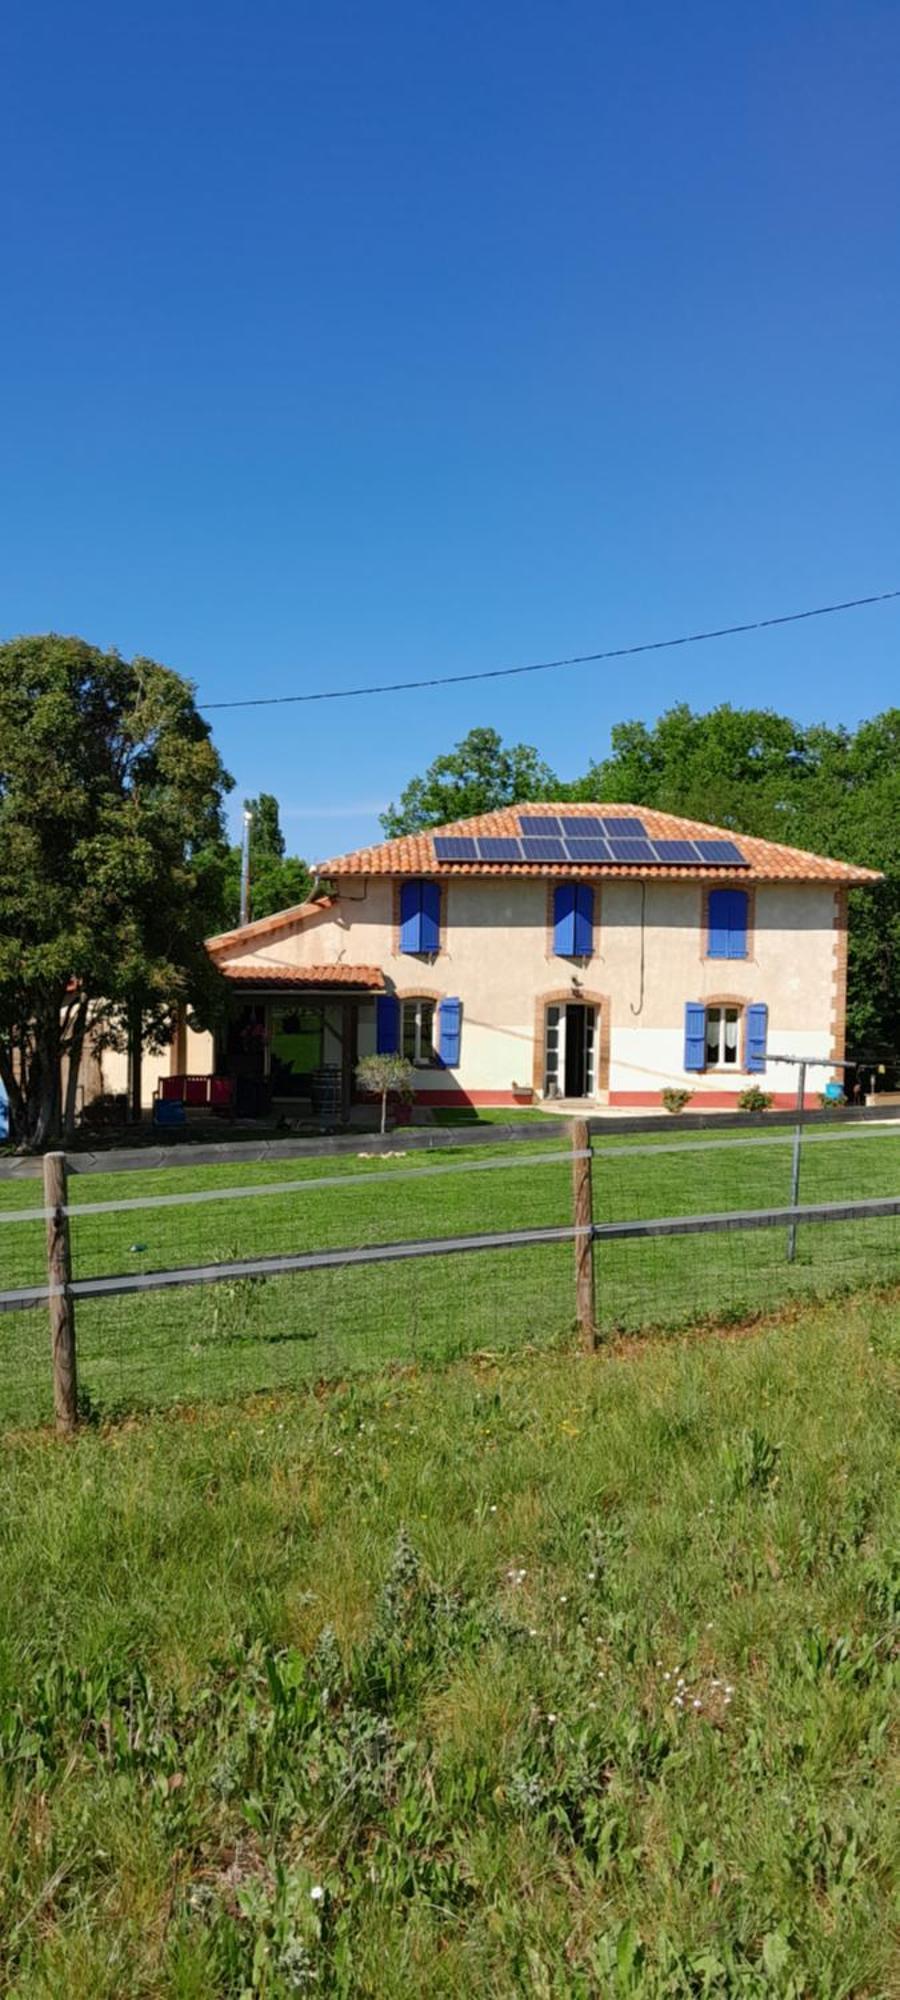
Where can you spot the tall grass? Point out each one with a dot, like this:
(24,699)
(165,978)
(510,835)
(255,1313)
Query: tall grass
(556,1675)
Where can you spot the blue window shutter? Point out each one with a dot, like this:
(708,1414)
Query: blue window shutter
(719,923)
(737,924)
(450,1018)
(694,1035)
(410,916)
(727,923)
(430,929)
(584,920)
(387,1024)
(564,920)
(757,1030)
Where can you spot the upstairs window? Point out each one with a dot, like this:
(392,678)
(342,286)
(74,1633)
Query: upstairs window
(573,920)
(727,924)
(420,917)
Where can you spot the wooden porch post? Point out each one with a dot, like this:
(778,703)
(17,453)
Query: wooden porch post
(347,1041)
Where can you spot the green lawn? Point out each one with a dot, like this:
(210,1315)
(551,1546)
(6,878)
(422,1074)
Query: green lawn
(271,1333)
(558,1676)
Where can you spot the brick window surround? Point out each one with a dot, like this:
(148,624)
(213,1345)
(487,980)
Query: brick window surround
(571,995)
(740,1001)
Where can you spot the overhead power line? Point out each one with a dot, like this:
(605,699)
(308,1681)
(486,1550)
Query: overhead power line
(547,666)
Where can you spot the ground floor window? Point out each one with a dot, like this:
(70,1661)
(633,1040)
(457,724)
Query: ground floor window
(723,1037)
(417,1031)
(570,1036)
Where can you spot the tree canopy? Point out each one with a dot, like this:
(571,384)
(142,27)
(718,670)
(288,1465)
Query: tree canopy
(111,856)
(478,776)
(277,880)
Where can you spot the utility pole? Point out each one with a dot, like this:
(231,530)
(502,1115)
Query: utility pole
(245,867)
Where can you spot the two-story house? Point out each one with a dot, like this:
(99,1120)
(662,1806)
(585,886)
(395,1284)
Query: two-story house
(595,952)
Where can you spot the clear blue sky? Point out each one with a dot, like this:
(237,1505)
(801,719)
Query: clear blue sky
(347,341)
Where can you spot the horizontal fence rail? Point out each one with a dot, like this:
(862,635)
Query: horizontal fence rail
(196,1197)
(326,1268)
(124,1282)
(301,1184)
(438,1138)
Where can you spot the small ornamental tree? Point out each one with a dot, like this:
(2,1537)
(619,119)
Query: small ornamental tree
(383,1076)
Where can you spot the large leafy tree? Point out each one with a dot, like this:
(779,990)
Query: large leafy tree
(111,859)
(832,790)
(277,880)
(481,774)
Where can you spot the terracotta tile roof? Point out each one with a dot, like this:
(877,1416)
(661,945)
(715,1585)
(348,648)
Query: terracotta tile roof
(769,861)
(281,920)
(262,973)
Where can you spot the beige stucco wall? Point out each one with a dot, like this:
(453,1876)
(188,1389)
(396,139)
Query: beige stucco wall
(497,958)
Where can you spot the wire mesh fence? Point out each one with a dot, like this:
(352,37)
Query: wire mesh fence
(182,1342)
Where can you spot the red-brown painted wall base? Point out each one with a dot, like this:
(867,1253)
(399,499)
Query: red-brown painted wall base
(644,1100)
(710,1100)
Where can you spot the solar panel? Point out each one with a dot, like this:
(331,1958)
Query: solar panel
(723,851)
(631,850)
(625,829)
(585,827)
(543,849)
(543,823)
(499,850)
(455,847)
(676,850)
(588,850)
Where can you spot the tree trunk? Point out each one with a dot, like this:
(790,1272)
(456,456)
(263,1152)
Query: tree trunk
(384,1099)
(135,1061)
(40,1083)
(74,1050)
(13,1090)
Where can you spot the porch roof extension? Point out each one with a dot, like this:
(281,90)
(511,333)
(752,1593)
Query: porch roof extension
(764,860)
(263,976)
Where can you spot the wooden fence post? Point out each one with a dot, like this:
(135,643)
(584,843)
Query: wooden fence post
(583,1216)
(62,1305)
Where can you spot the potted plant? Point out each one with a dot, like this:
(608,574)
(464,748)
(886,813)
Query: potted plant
(387,1076)
(754,1099)
(675,1100)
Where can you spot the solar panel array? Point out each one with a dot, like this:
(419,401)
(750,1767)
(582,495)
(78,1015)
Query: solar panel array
(587,840)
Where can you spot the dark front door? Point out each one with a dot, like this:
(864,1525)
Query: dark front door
(576,1051)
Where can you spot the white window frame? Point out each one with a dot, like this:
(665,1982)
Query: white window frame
(556,1049)
(424,1049)
(721,1009)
